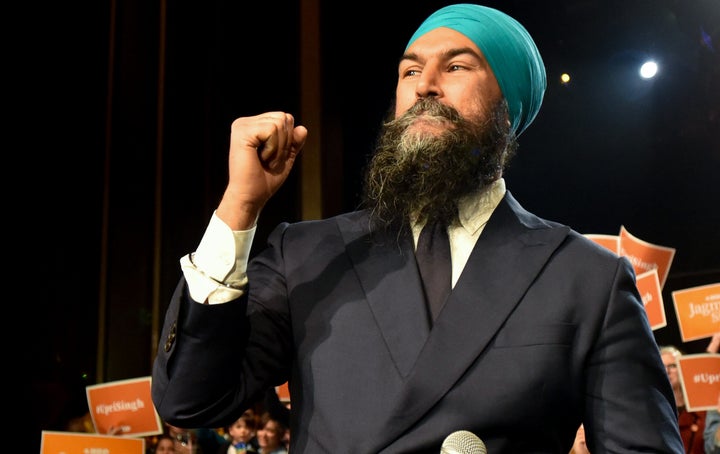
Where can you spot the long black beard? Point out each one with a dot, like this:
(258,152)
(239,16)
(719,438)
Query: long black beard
(424,175)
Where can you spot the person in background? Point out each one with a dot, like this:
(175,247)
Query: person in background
(242,435)
(186,440)
(579,445)
(384,355)
(208,440)
(165,445)
(271,435)
(692,423)
(279,411)
(714,345)
(711,435)
(712,430)
(83,423)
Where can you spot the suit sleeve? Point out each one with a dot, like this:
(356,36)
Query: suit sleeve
(216,360)
(629,401)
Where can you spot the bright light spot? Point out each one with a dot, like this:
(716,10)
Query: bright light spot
(565,78)
(648,70)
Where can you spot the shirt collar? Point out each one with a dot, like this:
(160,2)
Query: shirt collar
(475,209)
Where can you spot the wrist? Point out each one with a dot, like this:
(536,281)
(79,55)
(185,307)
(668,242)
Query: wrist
(238,216)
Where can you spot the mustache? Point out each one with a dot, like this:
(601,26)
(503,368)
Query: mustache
(431,107)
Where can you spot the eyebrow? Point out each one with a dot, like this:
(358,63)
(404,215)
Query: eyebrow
(450,53)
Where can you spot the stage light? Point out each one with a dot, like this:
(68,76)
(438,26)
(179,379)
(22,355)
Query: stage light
(648,70)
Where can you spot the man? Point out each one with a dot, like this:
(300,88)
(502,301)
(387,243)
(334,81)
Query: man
(712,431)
(711,435)
(543,329)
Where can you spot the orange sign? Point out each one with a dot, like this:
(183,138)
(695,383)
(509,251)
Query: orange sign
(283,392)
(698,311)
(700,379)
(645,256)
(649,287)
(82,443)
(124,407)
(648,281)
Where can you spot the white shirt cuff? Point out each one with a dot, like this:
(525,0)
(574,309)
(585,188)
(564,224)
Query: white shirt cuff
(217,271)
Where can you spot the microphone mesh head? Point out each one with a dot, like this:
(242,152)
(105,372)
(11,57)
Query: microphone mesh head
(463,442)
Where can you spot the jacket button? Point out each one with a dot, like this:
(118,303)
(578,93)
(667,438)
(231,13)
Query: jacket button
(171,337)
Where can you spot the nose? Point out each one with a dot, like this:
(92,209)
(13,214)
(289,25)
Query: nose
(428,84)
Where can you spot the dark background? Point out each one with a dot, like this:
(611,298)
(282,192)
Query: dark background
(125,107)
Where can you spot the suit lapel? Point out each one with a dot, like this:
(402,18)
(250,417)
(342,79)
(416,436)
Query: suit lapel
(509,254)
(388,273)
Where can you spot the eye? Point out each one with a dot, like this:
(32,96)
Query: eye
(456,67)
(412,72)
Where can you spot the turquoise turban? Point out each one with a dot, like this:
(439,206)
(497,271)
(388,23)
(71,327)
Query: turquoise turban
(508,48)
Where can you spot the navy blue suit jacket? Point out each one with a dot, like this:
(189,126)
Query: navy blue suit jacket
(543,330)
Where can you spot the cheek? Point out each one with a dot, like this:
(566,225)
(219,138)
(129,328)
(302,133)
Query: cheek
(477,109)
(480,103)
(404,100)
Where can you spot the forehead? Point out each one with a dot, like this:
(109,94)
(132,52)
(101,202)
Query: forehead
(441,40)
(270,425)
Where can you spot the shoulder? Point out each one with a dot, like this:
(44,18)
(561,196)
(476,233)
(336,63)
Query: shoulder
(573,238)
(351,223)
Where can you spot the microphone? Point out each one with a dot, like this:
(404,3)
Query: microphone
(463,442)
